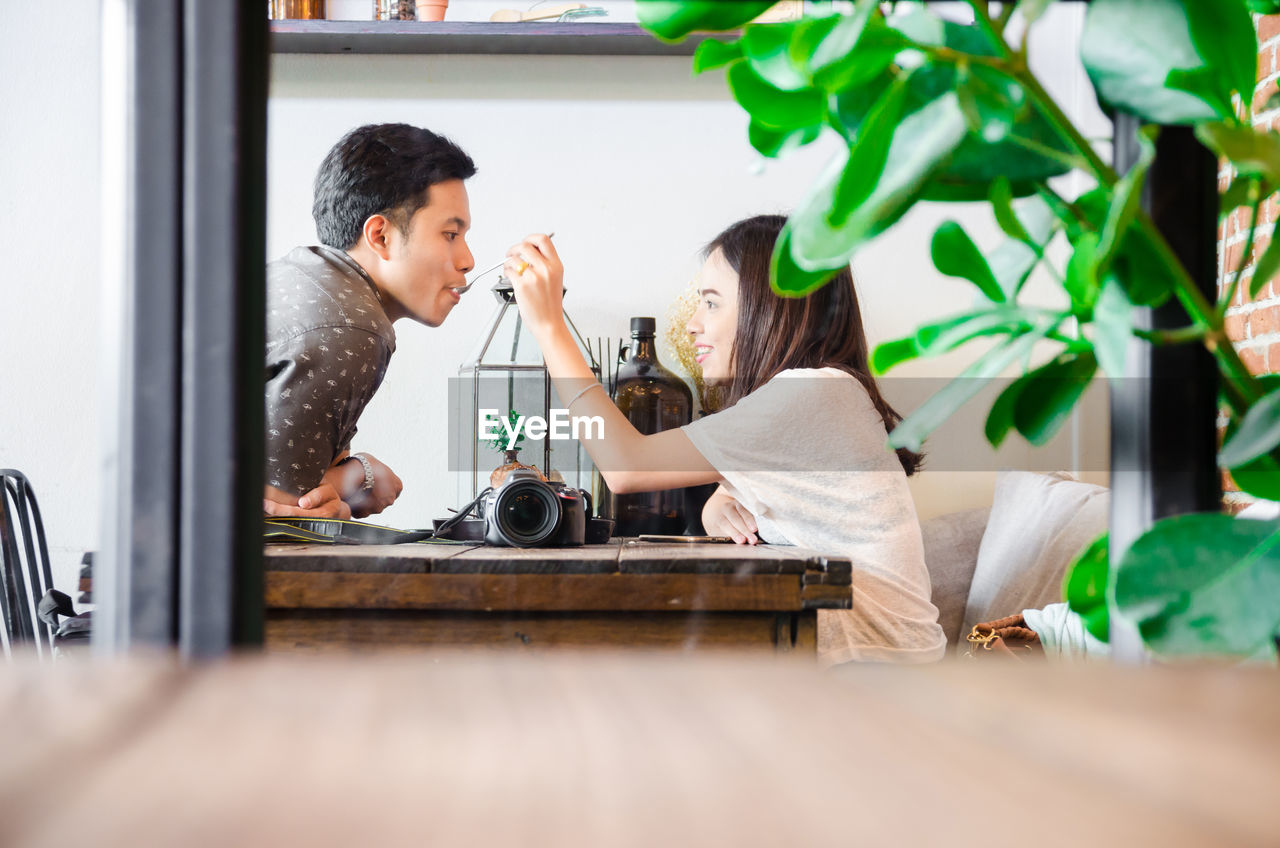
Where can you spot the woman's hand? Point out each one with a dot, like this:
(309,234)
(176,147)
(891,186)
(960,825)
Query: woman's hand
(537,275)
(724,516)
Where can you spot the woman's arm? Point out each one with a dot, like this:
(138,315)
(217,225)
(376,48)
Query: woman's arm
(629,460)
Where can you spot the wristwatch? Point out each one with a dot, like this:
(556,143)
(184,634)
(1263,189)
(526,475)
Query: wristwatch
(368,469)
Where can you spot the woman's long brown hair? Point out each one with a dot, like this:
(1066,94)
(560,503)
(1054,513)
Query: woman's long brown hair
(774,333)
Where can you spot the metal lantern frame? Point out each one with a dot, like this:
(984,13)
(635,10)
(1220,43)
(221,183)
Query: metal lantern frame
(477,373)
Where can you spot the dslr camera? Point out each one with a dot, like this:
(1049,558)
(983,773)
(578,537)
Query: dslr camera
(528,512)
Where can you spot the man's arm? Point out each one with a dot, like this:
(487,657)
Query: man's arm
(348,479)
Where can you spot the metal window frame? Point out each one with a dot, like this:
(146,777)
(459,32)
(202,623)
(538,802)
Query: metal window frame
(182,556)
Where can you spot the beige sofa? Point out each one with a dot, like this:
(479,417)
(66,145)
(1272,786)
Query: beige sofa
(994,561)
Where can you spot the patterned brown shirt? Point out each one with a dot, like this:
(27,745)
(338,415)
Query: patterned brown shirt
(328,345)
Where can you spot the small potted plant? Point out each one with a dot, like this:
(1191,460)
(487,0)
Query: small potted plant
(509,446)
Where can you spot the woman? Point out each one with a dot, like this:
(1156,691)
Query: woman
(800,448)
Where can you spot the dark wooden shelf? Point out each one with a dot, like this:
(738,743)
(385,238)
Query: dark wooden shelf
(409,37)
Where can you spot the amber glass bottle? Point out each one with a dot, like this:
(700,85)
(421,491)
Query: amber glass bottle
(653,399)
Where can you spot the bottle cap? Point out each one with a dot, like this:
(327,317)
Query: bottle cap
(643,326)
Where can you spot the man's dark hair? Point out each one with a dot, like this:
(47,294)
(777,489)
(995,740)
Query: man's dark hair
(381,169)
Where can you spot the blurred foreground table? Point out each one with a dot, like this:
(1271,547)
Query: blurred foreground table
(631,749)
(625,593)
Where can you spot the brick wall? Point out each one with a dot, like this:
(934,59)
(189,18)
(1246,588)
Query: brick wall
(1253,324)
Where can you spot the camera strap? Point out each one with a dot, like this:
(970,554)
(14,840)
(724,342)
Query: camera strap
(333,531)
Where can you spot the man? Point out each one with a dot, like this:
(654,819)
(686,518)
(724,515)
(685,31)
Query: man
(392,214)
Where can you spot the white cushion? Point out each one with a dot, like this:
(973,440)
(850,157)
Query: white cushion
(1039,523)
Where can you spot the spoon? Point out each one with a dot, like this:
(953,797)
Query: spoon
(474,279)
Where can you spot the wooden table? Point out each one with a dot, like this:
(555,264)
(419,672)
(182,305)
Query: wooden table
(629,593)
(630,749)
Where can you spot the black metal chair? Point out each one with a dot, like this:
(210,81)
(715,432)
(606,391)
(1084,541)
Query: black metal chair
(25,575)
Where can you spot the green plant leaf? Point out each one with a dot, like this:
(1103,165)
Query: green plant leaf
(1237,194)
(868,155)
(789,279)
(1203,585)
(1136,263)
(1081,281)
(1205,84)
(1011,264)
(1259,477)
(1264,7)
(773,142)
(948,334)
(1125,203)
(713,53)
(910,433)
(1113,321)
(920,143)
(1266,268)
(1224,36)
(1051,392)
(1084,587)
(888,354)
(767,48)
(672,20)
(1258,434)
(1001,198)
(772,106)
(955,255)
(1130,46)
(837,68)
(1253,153)
(1000,418)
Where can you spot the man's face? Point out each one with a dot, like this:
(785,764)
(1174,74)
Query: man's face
(424,268)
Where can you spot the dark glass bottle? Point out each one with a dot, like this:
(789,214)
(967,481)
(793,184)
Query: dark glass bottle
(653,399)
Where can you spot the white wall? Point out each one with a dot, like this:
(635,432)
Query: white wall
(49,291)
(634,164)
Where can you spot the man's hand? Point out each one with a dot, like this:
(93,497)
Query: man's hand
(347,478)
(321,502)
(724,516)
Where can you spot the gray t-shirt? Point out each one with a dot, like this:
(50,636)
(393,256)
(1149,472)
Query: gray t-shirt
(328,345)
(806,454)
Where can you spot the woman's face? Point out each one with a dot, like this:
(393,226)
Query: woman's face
(715,322)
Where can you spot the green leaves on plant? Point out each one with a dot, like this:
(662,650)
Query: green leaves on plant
(1037,403)
(1259,476)
(1203,584)
(1258,434)
(868,155)
(772,142)
(1135,264)
(713,53)
(788,279)
(1001,198)
(910,433)
(1085,588)
(1224,36)
(1113,326)
(1125,203)
(1264,7)
(672,20)
(1266,268)
(1131,47)
(942,336)
(955,255)
(921,141)
(1252,153)
(774,107)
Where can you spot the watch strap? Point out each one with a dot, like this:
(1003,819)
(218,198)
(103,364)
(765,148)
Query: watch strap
(368,470)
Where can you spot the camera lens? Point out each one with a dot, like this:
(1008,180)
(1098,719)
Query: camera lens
(526,513)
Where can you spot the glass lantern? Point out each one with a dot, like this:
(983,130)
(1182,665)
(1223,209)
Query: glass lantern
(507,374)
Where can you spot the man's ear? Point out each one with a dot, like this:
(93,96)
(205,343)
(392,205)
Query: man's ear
(377,234)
